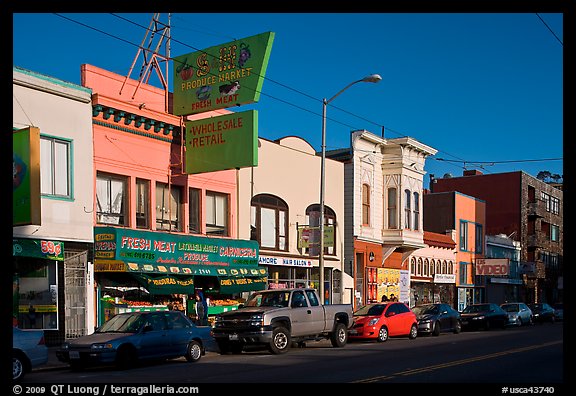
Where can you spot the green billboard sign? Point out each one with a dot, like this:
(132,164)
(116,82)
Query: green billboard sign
(225,142)
(222,76)
(26,177)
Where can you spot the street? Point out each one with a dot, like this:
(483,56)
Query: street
(532,356)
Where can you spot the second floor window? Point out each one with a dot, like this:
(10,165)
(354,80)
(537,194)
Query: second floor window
(407,209)
(168,207)
(416,211)
(365,204)
(55,178)
(142,203)
(216,214)
(329,220)
(111,200)
(392,212)
(194,211)
(463,235)
(269,222)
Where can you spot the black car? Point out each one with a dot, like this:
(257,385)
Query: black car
(543,313)
(437,318)
(483,316)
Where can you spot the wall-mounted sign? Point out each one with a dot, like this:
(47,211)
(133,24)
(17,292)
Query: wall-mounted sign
(223,76)
(492,266)
(224,142)
(26,177)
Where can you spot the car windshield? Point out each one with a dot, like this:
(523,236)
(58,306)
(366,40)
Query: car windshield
(510,308)
(426,310)
(371,310)
(476,308)
(268,299)
(129,323)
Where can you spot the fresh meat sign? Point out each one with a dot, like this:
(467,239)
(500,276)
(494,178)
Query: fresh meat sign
(492,266)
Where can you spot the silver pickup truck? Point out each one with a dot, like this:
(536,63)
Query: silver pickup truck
(278,318)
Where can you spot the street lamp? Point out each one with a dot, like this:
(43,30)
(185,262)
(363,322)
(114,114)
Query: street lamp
(373,78)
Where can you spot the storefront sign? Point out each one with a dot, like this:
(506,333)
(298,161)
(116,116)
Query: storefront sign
(222,76)
(224,142)
(39,248)
(293,262)
(492,266)
(167,284)
(167,251)
(444,278)
(237,285)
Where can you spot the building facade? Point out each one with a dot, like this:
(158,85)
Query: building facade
(51,256)
(279,207)
(383,209)
(467,216)
(529,211)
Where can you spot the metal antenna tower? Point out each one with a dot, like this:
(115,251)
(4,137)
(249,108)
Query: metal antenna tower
(156,39)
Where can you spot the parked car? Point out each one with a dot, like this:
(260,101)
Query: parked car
(437,318)
(379,321)
(519,314)
(483,316)
(128,338)
(543,313)
(29,351)
(559,311)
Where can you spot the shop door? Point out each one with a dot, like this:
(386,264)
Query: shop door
(75,294)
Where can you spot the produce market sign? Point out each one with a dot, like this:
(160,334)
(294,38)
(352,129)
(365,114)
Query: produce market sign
(222,76)
(141,248)
(224,142)
(39,248)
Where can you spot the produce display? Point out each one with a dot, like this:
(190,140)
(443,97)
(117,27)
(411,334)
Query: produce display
(225,302)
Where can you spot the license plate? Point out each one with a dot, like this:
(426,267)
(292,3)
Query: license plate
(233,336)
(464,322)
(74,354)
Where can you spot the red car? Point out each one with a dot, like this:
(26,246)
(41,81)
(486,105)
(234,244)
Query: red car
(382,320)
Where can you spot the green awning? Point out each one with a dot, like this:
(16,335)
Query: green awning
(166,284)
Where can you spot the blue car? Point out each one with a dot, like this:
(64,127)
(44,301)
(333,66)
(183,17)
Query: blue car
(29,351)
(129,338)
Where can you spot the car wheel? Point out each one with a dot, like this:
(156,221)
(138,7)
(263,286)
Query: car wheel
(413,332)
(457,327)
(339,336)
(383,334)
(126,358)
(280,342)
(436,329)
(18,366)
(193,351)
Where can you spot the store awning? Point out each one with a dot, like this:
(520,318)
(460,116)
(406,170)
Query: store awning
(210,270)
(229,285)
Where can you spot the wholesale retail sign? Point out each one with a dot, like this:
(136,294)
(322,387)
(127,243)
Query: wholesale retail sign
(224,142)
(222,76)
(26,177)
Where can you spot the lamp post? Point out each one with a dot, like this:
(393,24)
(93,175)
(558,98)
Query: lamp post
(373,78)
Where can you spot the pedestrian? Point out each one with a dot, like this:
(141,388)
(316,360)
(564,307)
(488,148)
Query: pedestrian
(32,316)
(384,298)
(393,297)
(201,309)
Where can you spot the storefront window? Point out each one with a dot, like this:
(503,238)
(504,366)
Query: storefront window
(36,294)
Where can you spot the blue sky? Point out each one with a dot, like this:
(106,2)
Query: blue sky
(484,89)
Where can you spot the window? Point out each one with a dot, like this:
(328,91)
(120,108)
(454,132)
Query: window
(463,273)
(168,207)
(216,214)
(142,203)
(554,233)
(110,200)
(55,172)
(463,235)
(194,211)
(329,219)
(413,266)
(392,209)
(554,205)
(365,204)
(269,222)
(407,209)
(479,240)
(416,211)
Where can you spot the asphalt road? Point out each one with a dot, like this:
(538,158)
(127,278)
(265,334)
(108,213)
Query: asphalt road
(528,356)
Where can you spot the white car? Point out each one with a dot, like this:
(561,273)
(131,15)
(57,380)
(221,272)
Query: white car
(29,350)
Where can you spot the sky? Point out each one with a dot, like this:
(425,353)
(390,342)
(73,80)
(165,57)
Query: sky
(483,89)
